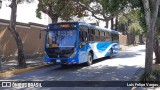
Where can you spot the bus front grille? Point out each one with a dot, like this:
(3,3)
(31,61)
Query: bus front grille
(58,56)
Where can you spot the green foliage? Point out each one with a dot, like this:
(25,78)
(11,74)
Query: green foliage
(153,76)
(38,14)
(70,10)
(123,20)
(135,28)
(142,22)
(60,8)
(134,20)
(113,5)
(120,6)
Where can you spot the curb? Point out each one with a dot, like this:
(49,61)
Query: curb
(138,73)
(20,71)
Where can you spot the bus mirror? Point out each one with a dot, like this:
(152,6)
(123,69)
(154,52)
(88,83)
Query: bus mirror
(40,35)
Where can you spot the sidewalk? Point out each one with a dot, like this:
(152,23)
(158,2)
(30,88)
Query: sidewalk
(125,47)
(12,64)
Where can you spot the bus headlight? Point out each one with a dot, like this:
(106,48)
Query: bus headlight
(74,53)
(45,54)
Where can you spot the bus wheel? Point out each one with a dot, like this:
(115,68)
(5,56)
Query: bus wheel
(90,59)
(111,53)
(64,65)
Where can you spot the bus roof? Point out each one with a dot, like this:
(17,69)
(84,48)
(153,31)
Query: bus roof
(91,26)
(98,27)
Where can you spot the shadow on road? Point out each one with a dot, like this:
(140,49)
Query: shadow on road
(127,55)
(95,72)
(130,53)
(79,66)
(81,73)
(142,50)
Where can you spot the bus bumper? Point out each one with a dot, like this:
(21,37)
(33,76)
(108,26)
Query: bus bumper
(60,61)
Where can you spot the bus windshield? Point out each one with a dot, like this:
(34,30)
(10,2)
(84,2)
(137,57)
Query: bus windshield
(61,39)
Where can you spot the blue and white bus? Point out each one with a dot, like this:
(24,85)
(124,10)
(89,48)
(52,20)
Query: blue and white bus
(78,42)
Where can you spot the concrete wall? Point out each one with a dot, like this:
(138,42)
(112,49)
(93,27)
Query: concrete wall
(123,39)
(29,34)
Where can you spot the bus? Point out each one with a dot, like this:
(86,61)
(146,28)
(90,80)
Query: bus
(77,42)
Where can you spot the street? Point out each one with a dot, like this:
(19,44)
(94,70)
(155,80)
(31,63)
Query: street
(126,66)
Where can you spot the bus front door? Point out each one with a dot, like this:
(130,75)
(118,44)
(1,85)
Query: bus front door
(82,53)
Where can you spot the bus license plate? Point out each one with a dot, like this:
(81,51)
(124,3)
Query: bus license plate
(58,61)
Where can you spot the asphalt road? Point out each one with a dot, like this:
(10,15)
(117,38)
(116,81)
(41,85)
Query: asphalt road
(126,66)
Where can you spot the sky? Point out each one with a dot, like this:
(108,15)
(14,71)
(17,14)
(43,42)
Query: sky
(26,13)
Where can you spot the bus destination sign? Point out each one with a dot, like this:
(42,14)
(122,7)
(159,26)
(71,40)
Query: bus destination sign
(67,25)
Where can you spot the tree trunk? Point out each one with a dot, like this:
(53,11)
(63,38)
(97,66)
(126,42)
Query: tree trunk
(112,23)
(0,63)
(150,24)
(54,18)
(106,24)
(11,27)
(156,44)
(149,40)
(116,27)
(157,50)
(128,38)
(128,34)
(149,52)
(133,39)
(125,28)
(141,39)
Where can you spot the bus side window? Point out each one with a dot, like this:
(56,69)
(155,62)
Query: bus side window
(80,36)
(115,38)
(83,36)
(85,39)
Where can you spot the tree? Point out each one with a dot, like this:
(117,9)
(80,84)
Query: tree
(12,29)
(106,10)
(156,39)
(100,9)
(135,30)
(156,44)
(150,17)
(59,8)
(133,23)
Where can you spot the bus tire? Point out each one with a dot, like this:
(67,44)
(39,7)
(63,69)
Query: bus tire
(64,65)
(90,59)
(111,53)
